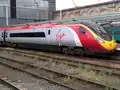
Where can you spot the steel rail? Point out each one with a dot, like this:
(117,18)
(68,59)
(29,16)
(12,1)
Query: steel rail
(103,63)
(73,64)
(31,73)
(9,84)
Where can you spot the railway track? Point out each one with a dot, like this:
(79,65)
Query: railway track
(47,74)
(73,64)
(66,59)
(21,67)
(25,81)
(63,74)
(8,84)
(93,61)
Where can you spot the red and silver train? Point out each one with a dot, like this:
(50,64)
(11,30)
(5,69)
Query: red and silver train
(81,37)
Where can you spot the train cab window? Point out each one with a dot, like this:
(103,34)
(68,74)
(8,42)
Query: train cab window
(82,30)
(48,32)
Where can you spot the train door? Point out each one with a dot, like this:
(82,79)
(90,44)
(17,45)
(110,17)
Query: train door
(4,35)
(83,35)
(1,35)
(48,35)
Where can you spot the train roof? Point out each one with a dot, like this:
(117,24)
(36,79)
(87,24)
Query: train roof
(49,25)
(79,22)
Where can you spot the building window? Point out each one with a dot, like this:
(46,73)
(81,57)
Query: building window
(33,34)
(13,8)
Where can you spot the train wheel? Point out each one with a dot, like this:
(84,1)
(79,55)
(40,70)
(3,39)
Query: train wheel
(65,50)
(0,44)
(71,50)
(59,50)
(79,52)
(12,45)
(88,52)
(68,50)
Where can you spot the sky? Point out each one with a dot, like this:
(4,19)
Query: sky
(64,4)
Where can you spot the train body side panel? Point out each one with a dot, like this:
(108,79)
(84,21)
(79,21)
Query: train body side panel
(64,36)
(61,36)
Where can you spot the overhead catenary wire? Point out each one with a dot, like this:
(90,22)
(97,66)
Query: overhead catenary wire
(36,3)
(74,3)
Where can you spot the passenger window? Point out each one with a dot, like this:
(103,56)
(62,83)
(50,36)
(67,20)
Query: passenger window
(48,32)
(33,34)
(82,30)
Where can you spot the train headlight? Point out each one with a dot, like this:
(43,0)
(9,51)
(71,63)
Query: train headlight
(114,40)
(100,40)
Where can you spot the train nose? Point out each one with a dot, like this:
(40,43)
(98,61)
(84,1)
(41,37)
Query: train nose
(111,45)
